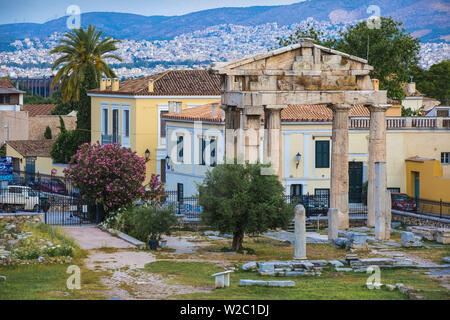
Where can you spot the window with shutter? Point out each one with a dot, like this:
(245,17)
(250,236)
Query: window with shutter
(322,154)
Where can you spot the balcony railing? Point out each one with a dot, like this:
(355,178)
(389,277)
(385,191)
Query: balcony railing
(403,123)
(110,139)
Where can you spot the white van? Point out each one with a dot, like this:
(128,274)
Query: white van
(19,198)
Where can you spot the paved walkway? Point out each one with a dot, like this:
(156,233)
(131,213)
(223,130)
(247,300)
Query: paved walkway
(91,237)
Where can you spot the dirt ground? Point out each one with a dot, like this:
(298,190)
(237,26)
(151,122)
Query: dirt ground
(124,265)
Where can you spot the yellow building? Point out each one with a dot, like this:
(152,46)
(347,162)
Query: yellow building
(129,112)
(306,146)
(33,157)
(428,179)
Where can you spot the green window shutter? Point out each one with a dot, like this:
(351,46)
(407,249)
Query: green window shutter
(322,154)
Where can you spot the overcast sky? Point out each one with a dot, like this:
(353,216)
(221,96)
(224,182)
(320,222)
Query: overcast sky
(13,11)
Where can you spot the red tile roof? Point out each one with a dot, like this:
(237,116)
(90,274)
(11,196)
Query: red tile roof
(38,109)
(292,113)
(32,148)
(4,83)
(172,82)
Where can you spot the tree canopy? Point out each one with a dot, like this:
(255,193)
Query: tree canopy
(237,199)
(434,82)
(389,49)
(84,52)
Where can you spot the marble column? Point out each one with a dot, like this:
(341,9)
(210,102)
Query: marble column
(333,224)
(339,163)
(380,202)
(232,132)
(252,125)
(300,233)
(377,153)
(273,138)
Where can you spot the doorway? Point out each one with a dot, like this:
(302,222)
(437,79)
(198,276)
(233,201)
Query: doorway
(355,177)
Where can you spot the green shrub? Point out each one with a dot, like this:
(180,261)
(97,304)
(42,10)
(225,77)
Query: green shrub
(149,222)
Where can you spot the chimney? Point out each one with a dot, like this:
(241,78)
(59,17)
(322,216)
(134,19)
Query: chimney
(171,106)
(178,107)
(103,84)
(150,85)
(115,84)
(411,88)
(108,82)
(376,84)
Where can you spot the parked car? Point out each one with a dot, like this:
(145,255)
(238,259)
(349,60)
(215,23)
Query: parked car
(53,186)
(402,201)
(16,197)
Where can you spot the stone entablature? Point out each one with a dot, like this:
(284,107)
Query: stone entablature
(303,73)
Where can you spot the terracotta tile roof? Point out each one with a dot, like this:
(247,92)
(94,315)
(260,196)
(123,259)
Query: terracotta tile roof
(292,113)
(7,87)
(172,82)
(32,148)
(4,83)
(38,109)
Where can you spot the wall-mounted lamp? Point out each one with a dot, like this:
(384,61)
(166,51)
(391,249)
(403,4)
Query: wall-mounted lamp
(147,155)
(298,157)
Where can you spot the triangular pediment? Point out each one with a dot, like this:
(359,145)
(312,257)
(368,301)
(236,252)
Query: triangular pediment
(302,66)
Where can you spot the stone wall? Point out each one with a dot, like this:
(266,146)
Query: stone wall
(17,122)
(412,219)
(38,124)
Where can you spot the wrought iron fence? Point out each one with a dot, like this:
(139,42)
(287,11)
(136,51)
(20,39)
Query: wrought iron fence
(315,205)
(426,207)
(53,196)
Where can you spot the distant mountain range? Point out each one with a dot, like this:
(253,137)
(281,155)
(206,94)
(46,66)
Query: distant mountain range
(427,19)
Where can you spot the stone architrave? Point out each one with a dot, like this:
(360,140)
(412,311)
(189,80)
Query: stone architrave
(377,153)
(380,200)
(300,233)
(339,163)
(333,224)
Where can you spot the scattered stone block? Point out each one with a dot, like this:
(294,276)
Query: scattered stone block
(443,235)
(403,263)
(336,263)
(281,283)
(250,266)
(390,287)
(294,273)
(358,240)
(262,283)
(342,243)
(376,261)
(2,278)
(409,240)
(344,269)
(395,224)
(446,259)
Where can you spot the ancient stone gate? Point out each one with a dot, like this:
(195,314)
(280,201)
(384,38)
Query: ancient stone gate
(304,73)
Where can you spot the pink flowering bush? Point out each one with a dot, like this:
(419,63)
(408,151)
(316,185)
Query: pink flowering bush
(155,190)
(109,175)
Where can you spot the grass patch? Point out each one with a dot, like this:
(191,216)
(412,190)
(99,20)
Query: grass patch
(330,285)
(48,281)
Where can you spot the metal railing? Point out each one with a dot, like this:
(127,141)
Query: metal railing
(110,139)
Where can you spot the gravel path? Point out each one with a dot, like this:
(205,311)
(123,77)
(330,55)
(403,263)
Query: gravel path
(127,279)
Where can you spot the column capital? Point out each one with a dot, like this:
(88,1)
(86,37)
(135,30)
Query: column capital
(378,107)
(342,107)
(275,106)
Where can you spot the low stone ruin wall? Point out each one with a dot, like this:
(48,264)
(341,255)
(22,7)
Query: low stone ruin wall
(419,220)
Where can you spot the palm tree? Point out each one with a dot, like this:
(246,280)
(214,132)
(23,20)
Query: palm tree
(83,51)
